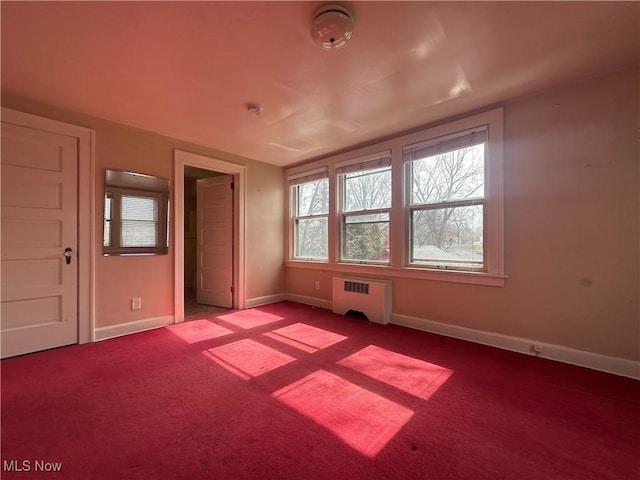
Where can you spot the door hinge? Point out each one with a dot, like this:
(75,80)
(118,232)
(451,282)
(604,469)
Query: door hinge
(233,185)
(231,288)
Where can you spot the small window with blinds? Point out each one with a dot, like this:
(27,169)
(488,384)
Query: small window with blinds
(135,221)
(365,206)
(139,225)
(446,201)
(310,219)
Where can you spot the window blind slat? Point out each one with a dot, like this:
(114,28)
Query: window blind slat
(310,176)
(445,145)
(380,161)
(139,208)
(139,221)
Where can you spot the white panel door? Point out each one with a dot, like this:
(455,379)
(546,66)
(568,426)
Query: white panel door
(214,267)
(39,295)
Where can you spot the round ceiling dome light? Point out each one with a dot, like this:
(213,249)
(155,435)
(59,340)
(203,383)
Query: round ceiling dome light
(254,110)
(332,27)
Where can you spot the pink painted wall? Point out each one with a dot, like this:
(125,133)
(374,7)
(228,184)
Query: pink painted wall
(571,225)
(572,237)
(118,279)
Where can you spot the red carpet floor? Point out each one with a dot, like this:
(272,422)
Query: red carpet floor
(288,391)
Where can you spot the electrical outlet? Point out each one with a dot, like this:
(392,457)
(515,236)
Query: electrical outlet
(136,303)
(317,284)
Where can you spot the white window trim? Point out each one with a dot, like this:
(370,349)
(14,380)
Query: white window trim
(494,199)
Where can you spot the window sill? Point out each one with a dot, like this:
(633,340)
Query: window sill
(476,278)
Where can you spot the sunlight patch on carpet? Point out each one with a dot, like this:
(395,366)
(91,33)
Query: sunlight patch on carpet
(305,337)
(408,374)
(198,330)
(250,318)
(248,358)
(362,419)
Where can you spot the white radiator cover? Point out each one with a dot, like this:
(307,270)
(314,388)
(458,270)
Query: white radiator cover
(369,296)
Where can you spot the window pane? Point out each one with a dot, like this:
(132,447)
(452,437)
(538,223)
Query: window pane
(456,175)
(313,198)
(138,234)
(448,236)
(366,237)
(367,218)
(139,218)
(311,238)
(139,208)
(106,239)
(368,189)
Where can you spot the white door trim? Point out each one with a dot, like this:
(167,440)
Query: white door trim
(86,209)
(239,172)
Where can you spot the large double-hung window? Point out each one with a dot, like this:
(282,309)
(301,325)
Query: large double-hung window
(425,205)
(446,201)
(365,191)
(310,207)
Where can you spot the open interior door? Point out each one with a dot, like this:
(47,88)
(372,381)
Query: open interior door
(214,264)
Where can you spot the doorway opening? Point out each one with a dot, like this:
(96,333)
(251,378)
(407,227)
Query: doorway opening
(202,249)
(207,289)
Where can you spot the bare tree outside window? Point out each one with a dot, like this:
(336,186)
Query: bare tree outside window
(366,204)
(447,218)
(447,203)
(311,219)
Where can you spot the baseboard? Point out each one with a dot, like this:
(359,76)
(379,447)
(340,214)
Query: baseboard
(595,361)
(265,300)
(103,333)
(313,301)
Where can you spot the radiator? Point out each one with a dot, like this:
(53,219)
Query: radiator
(372,297)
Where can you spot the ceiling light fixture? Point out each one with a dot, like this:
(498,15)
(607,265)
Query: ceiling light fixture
(254,109)
(332,27)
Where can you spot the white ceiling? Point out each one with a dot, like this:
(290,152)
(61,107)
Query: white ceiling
(188,70)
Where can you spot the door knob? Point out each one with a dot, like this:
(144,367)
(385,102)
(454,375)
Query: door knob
(67,254)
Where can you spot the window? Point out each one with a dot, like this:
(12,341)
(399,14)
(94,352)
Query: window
(108,202)
(135,220)
(425,205)
(310,207)
(365,209)
(446,201)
